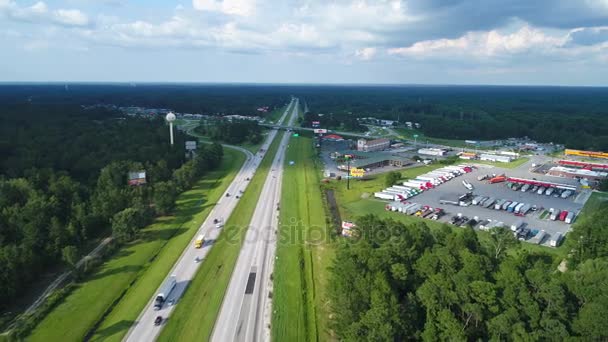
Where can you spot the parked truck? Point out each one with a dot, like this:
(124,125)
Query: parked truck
(467,185)
(556,239)
(555,215)
(539,237)
(489,202)
(570,218)
(512,206)
(498,179)
(517,225)
(499,203)
(506,205)
(164,292)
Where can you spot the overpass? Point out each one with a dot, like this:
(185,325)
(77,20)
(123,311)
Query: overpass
(297,128)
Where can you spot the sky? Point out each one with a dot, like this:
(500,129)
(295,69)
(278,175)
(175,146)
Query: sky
(510,42)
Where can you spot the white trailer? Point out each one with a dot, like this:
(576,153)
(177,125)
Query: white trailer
(518,224)
(411,210)
(518,208)
(538,238)
(556,239)
(499,204)
(164,292)
(570,217)
(384,195)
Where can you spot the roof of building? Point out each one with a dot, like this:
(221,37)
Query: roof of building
(367,159)
(376,141)
(579,172)
(333,137)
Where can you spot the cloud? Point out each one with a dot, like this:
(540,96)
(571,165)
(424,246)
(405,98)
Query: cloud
(243,8)
(366,53)
(40,13)
(485,44)
(589,36)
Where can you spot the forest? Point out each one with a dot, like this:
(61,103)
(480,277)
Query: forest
(63,184)
(231,132)
(398,282)
(574,116)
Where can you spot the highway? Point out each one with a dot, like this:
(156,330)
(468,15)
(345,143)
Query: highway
(144,329)
(246,308)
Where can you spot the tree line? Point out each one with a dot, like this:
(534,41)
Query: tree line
(64,182)
(232,132)
(400,281)
(576,117)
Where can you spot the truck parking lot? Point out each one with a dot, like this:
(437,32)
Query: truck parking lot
(454,189)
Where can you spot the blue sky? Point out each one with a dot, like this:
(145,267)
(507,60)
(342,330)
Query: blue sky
(530,42)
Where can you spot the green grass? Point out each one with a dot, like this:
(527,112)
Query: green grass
(510,165)
(422,139)
(275,115)
(137,268)
(194,318)
(593,203)
(304,252)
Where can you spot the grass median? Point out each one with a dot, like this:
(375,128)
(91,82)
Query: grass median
(304,251)
(194,318)
(137,268)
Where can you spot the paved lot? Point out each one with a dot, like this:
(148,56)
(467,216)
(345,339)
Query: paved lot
(454,188)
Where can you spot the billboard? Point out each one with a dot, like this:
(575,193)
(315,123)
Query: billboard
(137,178)
(357,172)
(592,154)
(316,123)
(190,145)
(320,131)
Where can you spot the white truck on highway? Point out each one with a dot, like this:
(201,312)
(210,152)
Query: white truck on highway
(164,292)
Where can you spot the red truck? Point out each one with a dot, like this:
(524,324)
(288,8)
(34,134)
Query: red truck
(498,179)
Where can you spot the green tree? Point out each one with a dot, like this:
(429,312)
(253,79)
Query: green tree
(392,178)
(70,255)
(501,239)
(126,224)
(164,197)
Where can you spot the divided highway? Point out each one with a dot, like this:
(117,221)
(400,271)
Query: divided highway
(144,328)
(246,309)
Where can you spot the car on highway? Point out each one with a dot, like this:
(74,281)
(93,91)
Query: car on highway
(158,320)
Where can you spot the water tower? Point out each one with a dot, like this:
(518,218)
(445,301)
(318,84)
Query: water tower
(170,118)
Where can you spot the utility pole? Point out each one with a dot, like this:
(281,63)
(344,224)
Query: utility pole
(347,172)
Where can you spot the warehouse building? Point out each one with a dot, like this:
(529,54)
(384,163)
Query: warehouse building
(432,151)
(375,161)
(566,172)
(496,158)
(373,145)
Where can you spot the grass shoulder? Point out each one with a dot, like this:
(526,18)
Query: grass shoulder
(137,269)
(304,251)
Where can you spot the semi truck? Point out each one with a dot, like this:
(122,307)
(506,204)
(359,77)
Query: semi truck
(489,203)
(164,292)
(539,237)
(467,185)
(200,241)
(570,217)
(506,205)
(518,208)
(498,179)
(512,206)
(499,204)
(556,239)
(518,224)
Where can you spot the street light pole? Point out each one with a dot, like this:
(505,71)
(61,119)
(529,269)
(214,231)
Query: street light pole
(348,173)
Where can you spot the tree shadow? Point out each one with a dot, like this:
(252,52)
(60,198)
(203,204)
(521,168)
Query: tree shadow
(126,268)
(115,328)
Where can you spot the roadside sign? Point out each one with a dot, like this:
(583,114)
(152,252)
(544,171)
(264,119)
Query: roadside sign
(296,135)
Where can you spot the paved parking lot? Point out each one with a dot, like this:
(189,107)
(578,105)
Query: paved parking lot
(454,188)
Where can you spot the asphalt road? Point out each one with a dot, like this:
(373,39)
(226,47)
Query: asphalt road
(246,309)
(144,329)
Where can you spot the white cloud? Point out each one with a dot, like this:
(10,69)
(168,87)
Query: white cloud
(243,8)
(485,44)
(70,17)
(366,53)
(40,13)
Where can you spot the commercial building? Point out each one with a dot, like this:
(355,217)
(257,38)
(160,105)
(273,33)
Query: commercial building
(566,172)
(495,158)
(591,154)
(333,137)
(376,160)
(432,151)
(373,145)
(468,155)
